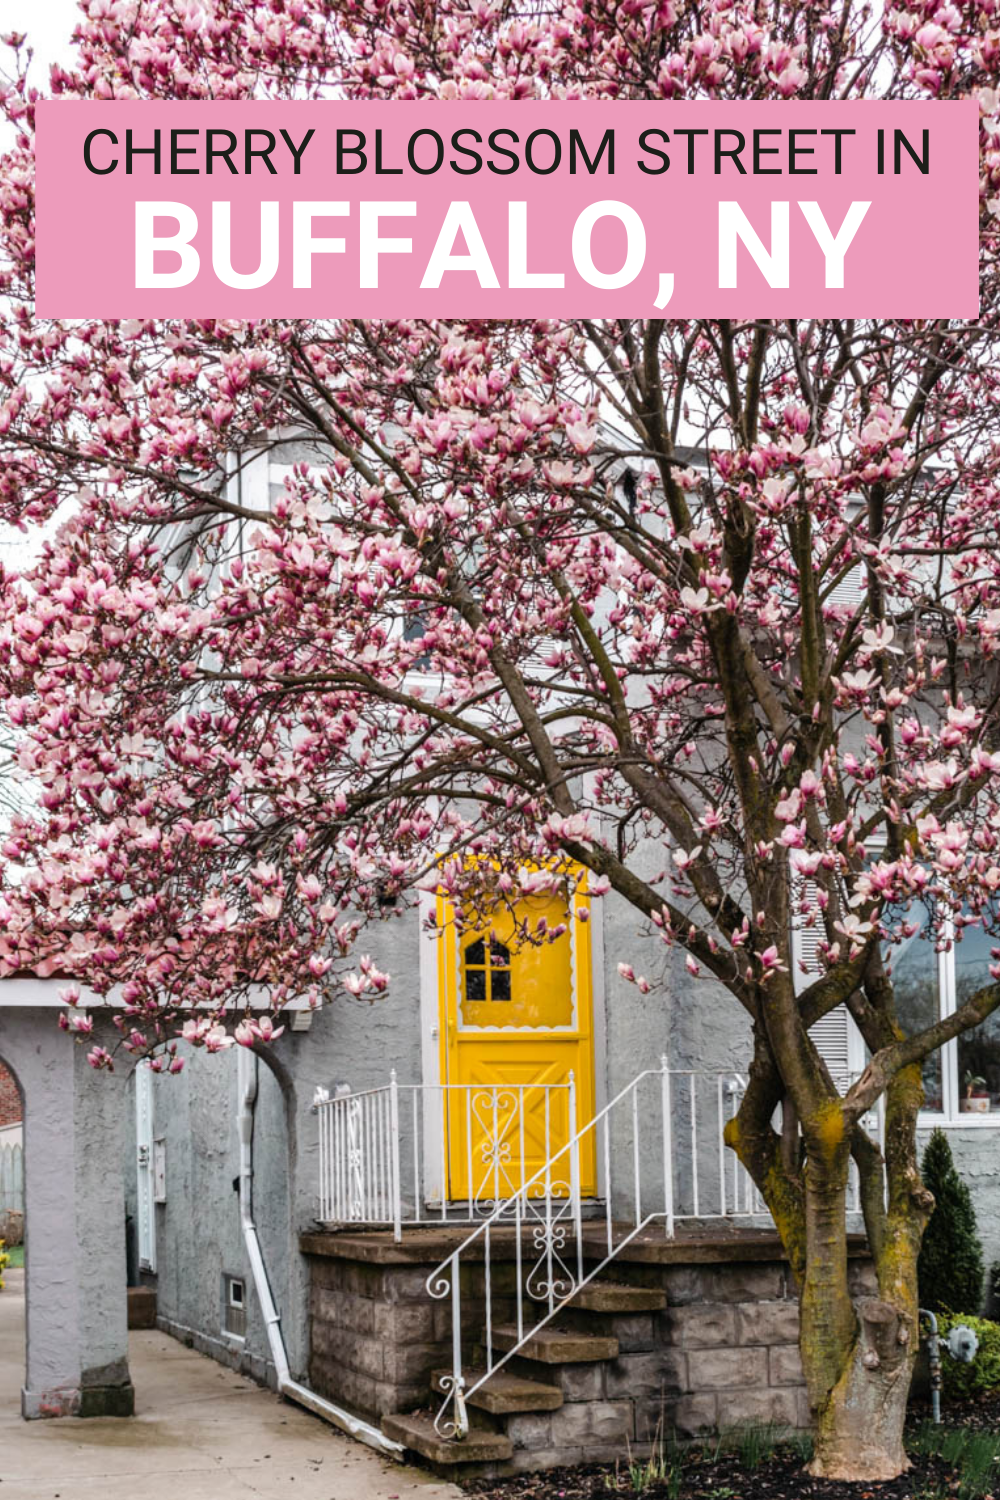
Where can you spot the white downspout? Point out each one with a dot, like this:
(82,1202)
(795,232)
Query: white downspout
(355,1427)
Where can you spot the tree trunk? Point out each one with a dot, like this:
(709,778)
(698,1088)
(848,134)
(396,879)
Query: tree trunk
(857,1357)
(859,1428)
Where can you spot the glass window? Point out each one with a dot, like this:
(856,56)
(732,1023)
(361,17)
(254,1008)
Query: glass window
(510,980)
(914,966)
(978,1049)
(487,970)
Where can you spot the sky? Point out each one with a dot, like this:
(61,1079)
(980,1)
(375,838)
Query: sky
(49,24)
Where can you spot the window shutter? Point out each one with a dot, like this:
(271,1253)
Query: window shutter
(832,1032)
(850,591)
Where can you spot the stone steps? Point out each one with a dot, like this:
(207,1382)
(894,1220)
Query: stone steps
(504,1393)
(557,1346)
(523,1402)
(416,1431)
(617,1299)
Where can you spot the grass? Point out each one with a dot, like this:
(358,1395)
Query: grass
(971,1454)
(974,1455)
(16,1254)
(756,1443)
(662,1469)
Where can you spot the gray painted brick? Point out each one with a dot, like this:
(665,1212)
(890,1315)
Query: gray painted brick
(695,1414)
(654,1420)
(746,1282)
(635,1331)
(727,1369)
(662,1372)
(409,1362)
(404,1323)
(334,1380)
(581,1382)
(785,1365)
(743,1407)
(684,1284)
(767,1323)
(586,1423)
(363,1355)
(406,1284)
(708,1326)
(533,1461)
(356,1314)
(531,1430)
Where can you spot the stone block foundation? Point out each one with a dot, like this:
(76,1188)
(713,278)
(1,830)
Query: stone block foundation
(723,1353)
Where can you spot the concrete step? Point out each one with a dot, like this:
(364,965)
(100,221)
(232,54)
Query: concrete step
(557,1346)
(141,1306)
(504,1393)
(417,1433)
(615,1299)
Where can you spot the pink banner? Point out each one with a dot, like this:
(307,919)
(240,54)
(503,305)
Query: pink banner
(507,210)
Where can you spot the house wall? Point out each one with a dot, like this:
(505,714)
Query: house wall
(975,1152)
(695,1022)
(199,1239)
(358,1043)
(130,1179)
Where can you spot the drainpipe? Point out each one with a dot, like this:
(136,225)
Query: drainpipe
(934,1362)
(355,1427)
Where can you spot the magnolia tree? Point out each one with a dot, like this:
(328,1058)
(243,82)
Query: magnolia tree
(544,596)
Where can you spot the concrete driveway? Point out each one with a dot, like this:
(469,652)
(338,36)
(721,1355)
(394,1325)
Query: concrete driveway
(200,1433)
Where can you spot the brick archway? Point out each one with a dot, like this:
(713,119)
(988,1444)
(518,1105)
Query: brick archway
(11,1156)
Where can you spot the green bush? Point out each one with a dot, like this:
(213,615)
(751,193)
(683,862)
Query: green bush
(950,1268)
(983,1375)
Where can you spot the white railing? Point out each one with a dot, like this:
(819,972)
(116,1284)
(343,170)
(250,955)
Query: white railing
(434,1153)
(661,1161)
(654,1159)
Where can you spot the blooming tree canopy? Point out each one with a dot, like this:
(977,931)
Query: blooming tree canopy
(530,597)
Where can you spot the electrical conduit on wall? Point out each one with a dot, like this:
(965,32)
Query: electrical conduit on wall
(355,1427)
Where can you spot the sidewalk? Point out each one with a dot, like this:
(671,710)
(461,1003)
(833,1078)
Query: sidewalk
(200,1433)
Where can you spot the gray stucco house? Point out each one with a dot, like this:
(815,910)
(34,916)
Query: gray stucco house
(371,1142)
(387,1200)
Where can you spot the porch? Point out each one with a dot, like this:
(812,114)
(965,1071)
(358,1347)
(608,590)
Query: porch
(527,1321)
(412,1155)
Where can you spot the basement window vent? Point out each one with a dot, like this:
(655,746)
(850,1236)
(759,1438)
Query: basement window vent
(234,1307)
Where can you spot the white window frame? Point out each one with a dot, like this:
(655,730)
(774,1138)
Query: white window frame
(951,1116)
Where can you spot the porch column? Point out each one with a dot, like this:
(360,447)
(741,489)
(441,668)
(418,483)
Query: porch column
(76,1312)
(101,1103)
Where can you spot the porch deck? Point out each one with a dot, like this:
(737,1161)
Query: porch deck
(692,1244)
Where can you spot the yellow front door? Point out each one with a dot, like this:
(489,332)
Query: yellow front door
(517,1021)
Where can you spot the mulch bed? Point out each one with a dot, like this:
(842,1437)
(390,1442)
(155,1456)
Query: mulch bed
(780,1478)
(775,1474)
(983,1415)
